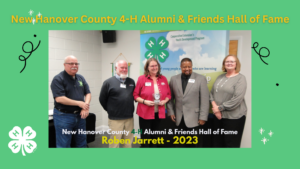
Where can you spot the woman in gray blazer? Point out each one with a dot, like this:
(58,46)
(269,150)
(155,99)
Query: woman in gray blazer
(229,107)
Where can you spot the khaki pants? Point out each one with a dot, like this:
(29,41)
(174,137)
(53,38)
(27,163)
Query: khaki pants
(118,126)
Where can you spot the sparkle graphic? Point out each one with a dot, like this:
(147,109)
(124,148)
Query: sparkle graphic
(264,140)
(271,133)
(39,14)
(33,20)
(261,130)
(30,12)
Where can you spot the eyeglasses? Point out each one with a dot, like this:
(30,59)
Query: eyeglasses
(72,64)
(153,66)
(229,62)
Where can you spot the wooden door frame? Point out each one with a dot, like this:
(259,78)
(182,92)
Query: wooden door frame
(240,42)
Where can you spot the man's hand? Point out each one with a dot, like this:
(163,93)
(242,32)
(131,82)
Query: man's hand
(84,113)
(218,115)
(83,105)
(173,118)
(201,122)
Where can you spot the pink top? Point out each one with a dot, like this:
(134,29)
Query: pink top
(145,89)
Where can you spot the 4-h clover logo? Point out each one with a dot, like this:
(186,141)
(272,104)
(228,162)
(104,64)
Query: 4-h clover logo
(80,83)
(156,49)
(20,141)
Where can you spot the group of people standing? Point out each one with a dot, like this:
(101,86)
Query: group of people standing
(186,98)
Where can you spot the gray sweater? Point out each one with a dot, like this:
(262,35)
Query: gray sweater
(229,93)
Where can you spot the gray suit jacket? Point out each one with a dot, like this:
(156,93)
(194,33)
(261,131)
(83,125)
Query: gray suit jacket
(193,104)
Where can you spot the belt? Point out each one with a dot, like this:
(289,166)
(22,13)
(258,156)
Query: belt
(68,111)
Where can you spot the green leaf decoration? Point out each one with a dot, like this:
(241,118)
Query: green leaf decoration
(162,42)
(151,43)
(163,55)
(149,54)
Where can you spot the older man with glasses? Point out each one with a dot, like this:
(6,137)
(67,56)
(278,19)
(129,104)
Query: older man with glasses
(72,96)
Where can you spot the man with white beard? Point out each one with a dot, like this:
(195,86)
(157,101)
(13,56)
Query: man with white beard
(72,97)
(116,98)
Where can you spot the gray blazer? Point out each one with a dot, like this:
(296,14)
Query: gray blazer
(193,104)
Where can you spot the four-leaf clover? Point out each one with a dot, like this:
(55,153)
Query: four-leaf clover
(22,141)
(156,49)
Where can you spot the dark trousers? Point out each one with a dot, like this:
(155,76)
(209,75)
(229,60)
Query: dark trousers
(196,140)
(228,140)
(149,124)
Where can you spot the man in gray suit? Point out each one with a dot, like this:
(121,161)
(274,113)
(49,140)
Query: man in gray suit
(189,105)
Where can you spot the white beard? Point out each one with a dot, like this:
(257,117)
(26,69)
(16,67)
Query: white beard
(122,76)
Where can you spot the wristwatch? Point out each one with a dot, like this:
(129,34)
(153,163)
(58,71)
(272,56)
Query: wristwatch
(221,108)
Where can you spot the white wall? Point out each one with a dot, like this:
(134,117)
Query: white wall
(244,54)
(85,45)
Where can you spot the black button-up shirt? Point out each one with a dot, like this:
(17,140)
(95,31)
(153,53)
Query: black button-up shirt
(73,88)
(184,81)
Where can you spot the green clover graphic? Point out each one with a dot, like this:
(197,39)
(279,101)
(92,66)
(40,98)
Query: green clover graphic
(80,83)
(156,49)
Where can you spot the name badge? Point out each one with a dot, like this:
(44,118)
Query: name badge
(191,80)
(123,85)
(162,83)
(148,84)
